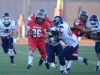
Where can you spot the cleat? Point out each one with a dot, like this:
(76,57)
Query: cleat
(28,66)
(97,68)
(53,65)
(85,60)
(47,65)
(56,63)
(40,62)
(68,70)
(13,64)
(61,72)
(65,73)
(15,52)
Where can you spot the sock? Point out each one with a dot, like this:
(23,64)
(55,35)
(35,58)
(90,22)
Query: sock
(98,63)
(61,68)
(69,63)
(80,58)
(66,61)
(64,67)
(30,60)
(12,59)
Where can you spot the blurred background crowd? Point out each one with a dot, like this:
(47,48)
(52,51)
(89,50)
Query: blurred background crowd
(69,9)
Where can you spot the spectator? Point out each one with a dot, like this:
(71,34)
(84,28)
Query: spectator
(21,28)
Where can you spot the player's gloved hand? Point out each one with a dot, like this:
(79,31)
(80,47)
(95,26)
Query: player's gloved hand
(81,33)
(29,33)
(50,36)
(55,32)
(88,36)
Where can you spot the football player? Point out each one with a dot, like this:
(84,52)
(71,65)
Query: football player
(83,16)
(70,40)
(7,27)
(53,47)
(36,39)
(94,34)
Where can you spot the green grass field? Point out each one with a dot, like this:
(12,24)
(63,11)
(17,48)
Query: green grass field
(21,59)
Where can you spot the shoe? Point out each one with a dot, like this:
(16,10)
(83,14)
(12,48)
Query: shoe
(28,66)
(15,52)
(56,63)
(61,72)
(47,65)
(40,62)
(53,65)
(65,73)
(85,60)
(97,68)
(68,70)
(12,64)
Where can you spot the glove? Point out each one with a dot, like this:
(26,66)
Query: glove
(81,33)
(50,36)
(88,36)
(55,32)
(29,33)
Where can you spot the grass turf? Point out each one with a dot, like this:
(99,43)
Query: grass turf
(21,59)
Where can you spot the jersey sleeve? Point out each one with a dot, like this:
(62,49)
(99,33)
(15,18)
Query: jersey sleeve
(78,22)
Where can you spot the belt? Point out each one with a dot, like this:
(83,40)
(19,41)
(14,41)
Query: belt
(6,36)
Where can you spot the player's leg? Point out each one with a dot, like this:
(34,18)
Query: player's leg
(69,62)
(32,48)
(58,49)
(10,50)
(42,50)
(51,54)
(4,45)
(97,50)
(66,52)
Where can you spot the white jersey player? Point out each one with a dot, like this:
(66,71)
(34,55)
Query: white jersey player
(94,25)
(7,27)
(64,33)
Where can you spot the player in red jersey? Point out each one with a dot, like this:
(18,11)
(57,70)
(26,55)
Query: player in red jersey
(83,16)
(36,39)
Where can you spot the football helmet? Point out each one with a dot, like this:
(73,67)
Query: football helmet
(94,21)
(39,18)
(57,20)
(83,15)
(6,19)
(42,11)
